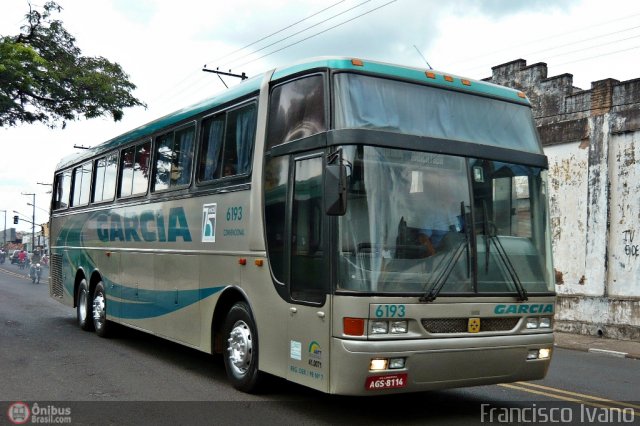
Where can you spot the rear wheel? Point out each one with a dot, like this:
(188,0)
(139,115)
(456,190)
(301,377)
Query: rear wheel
(99,310)
(83,312)
(241,349)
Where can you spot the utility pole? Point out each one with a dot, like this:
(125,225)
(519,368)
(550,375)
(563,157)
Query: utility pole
(33,220)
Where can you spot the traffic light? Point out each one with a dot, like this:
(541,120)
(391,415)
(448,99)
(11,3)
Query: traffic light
(15,220)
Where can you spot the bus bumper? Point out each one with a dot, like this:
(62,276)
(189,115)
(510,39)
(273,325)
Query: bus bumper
(436,363)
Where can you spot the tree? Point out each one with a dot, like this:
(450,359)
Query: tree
(44,77)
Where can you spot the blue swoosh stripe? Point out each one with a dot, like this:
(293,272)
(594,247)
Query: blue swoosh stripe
(155,303)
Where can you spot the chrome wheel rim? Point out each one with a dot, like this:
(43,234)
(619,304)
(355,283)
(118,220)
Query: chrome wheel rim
(240,348)
(98,310)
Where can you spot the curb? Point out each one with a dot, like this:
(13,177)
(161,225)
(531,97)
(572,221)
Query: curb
(598,351)
(616,354)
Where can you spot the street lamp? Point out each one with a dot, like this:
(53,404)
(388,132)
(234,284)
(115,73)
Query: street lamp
(33,220)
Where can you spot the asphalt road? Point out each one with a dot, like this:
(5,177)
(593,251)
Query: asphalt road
(135,378)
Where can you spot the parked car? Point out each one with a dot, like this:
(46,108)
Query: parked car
(14,256)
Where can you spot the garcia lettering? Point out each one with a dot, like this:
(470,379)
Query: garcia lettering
(524,309)
(148,226)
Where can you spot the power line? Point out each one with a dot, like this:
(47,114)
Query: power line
(318,33)
(190,86)
(299,32)
(588,39)
(595,46)
(598,56)
(552,37)
(485,65)
(276,32)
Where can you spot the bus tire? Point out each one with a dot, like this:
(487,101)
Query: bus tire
(83,307)
(241,349)
(99,310)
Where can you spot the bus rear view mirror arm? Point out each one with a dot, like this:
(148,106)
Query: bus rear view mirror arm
(335,189)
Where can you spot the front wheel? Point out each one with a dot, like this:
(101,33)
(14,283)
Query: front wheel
(241,352)
(99,310)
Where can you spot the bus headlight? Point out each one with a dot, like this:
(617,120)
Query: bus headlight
(379,327)
(398,327)
(545,322)
(532,322)
(396,363)
(378,364)
(544,353)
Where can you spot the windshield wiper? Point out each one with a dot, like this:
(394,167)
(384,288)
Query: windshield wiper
(502,253)
(435,289)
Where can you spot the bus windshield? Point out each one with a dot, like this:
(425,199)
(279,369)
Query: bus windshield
(415,220)
(365,102)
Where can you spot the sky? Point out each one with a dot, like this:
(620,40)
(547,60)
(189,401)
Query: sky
(164,44)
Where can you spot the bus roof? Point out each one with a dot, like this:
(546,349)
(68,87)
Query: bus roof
(431,77)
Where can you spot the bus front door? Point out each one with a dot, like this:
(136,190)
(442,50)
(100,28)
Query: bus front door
(309,324)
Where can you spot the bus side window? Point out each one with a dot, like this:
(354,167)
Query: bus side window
(174,156)
(227,144)
(134,169)
(62,191)
(81,184)
(238,144)
(104,183)
(296,110)
(210,159)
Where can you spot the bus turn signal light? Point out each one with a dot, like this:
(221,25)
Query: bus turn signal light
(357,62)
(353,326)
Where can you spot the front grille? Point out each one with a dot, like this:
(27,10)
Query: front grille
(55,272)
(459,325)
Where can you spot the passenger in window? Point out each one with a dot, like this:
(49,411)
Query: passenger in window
(426,246)
(229,170)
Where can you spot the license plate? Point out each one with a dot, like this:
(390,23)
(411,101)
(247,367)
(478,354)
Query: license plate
(386,382)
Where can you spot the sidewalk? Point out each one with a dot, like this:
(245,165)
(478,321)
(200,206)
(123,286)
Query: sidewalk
(601,345)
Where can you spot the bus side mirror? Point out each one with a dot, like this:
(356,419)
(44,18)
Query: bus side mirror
(335,189)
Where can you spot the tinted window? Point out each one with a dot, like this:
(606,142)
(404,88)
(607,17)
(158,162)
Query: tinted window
(104,186)
(275,196)
(81,184)
(134,166)
(210,158)
(174,156)
(62,191)
(296,110)
(307,260)
(227,144)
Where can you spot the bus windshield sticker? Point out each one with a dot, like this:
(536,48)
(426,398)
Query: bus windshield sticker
(209,223)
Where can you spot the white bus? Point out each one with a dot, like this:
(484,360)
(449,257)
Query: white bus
(357,227)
